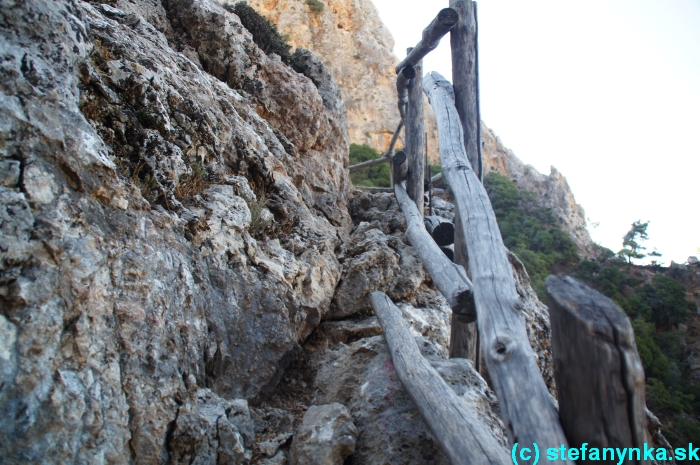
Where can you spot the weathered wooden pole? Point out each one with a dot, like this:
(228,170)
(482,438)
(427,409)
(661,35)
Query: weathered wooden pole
(464,41)
(526,407)
(441,25)
(402,82)
(599,375)
(464,335)
(441,230)
(450,279)
(465,79)
(463,438)
(414,137)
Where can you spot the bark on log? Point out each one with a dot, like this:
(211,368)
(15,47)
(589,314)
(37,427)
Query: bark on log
(462,437)
(415,138)
(386,156)
(450,279)
(399,167)
(465,78)
(524,401)
(441,25)
(402,81)
(441,230)
(599,375)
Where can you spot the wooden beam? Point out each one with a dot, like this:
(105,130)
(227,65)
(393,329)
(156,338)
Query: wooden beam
(465,79)
(375,189)
(599,375)
(441,230)
(463,438)
(386,156)
(450,279)
(415,138)
(526,407)
(441,25)
(402,81)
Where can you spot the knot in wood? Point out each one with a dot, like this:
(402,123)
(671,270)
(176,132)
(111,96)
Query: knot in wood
(501,348)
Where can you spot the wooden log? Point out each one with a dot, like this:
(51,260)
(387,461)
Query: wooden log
(449,252)
(465,78)
(599,375)
(464,336)
(526,407)
(463,438)
(450,279)
(441,25)
(402,81)
(441,230)
(375,189)
(399,167)
(438,178)
(415,138)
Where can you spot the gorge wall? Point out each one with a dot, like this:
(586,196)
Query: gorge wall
(351,39)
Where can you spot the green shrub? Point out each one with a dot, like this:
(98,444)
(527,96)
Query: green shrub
(258,224)
(315,5)
(374,176)
(531,232)
(264,33)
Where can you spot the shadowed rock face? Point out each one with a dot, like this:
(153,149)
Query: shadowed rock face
(122,280)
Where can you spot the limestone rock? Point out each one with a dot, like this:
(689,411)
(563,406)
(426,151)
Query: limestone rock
(390,430)
(379,262)
(129,272)
(326,436)
(206,431)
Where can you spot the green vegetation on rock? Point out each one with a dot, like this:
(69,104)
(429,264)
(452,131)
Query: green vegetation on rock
(374,176)
(530,231)
(315,5)
(264,33)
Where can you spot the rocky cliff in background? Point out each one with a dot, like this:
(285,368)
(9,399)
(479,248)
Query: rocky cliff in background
(351,39)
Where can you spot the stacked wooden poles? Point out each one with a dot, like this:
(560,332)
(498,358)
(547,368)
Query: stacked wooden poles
(525,404)
(463,438)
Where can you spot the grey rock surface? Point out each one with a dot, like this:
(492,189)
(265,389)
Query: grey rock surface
(326,436)
(129,269)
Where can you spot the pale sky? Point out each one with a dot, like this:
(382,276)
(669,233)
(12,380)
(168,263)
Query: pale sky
(606,91)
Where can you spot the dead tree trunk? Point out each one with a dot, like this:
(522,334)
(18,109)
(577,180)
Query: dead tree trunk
(526,408)
(402,82)
(599,375)
(462,437)
(465,78)
(414,138)
(449,278)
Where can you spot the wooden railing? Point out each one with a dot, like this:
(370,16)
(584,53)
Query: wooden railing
(598,372)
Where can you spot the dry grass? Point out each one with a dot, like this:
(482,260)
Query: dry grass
(192,184)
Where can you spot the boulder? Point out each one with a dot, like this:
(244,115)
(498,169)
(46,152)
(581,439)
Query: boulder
(326,436)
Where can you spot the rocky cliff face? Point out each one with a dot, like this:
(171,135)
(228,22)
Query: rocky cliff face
(174,227)
(552,189)
(351,39)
